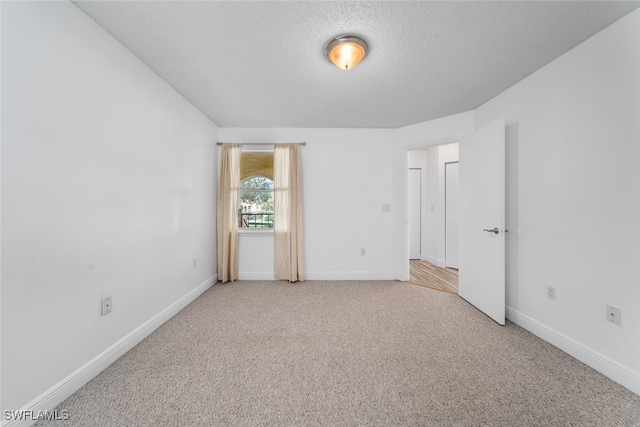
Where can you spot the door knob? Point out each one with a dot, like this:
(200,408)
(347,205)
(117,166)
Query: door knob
(493,230)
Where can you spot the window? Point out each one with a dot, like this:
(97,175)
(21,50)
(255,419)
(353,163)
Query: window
(255,196)
(256,202)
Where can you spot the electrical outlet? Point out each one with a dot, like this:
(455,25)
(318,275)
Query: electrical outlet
(362,252)
(613,315)
(106,306)
(195,263)
(551,292)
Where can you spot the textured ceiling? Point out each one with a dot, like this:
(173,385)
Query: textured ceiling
(262,64)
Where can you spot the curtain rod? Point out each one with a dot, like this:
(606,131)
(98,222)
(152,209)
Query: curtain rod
(303,143)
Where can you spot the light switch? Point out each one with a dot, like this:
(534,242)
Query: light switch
(386,207)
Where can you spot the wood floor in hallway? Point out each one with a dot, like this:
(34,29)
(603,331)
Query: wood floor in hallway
(424,273)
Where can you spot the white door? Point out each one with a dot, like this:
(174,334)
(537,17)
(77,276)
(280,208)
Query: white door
(414,190)
(482,220)
(451,214)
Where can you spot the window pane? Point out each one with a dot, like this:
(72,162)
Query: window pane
(256,201)
(256,220)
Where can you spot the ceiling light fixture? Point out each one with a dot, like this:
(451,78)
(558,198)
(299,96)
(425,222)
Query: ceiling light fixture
(345,52)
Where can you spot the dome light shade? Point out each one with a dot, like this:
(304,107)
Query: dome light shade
(345,52)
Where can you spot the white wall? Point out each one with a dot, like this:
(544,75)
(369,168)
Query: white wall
(432,162)
(107,190)
(256,255)
(573,189)
(346,177)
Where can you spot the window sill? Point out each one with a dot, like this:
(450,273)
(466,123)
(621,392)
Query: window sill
(255,231)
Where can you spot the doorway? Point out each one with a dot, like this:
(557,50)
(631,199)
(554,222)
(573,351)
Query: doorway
(482,235)
(432,202)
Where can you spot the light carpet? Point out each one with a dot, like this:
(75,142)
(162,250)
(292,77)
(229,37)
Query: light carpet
(344,353)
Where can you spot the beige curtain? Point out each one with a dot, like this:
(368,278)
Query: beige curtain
(287,200)
(227,218)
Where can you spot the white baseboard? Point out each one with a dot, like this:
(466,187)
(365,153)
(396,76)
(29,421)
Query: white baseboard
(323,275)
(69,385)
(349,275)
(607,367)
(256,275)
(433,260)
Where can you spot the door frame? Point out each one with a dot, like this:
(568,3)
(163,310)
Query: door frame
(419,207)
